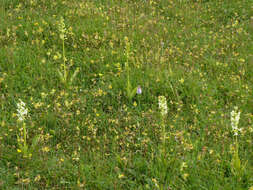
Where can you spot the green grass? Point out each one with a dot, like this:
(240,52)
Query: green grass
(196,53)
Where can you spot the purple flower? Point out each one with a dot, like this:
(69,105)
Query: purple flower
(139,91)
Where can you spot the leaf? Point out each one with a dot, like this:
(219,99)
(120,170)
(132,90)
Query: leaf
(61,76)
(74,75)
(128,89)
(19,144)
(244,165)
(35,141)
(133,93)
(236,163)
(24,149)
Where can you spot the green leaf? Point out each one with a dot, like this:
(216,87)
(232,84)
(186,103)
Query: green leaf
(61,76)
(74,75)
(133,93)
(35,141)
(129,89)
(24,150)
(236,163)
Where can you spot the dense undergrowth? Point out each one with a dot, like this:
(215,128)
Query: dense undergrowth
(92,130)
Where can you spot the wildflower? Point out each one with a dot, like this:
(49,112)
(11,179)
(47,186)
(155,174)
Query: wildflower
(46,149)
(181,80)
(235,116)
(120,176)
(26,181)
(163,105)
(183,165)
(62,29)
(22,110)
(37,178)
(155,182)
(139,91)
(185,176)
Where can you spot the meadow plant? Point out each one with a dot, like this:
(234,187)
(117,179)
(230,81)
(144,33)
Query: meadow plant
(139,90)
(198,54)
(22,138)
(130,91)
(162,102)
(235,117)
(64,75)
(236,166)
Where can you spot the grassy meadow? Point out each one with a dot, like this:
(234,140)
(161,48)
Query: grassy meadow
(126,94)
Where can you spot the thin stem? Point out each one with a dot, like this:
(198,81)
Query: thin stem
(64,61)
(164,134)
(25,148)
(127,67)
(24,129)
(128,77)
(237,147)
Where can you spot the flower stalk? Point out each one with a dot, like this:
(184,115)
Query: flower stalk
(162,102)
(22,138)
(64,75)
(130,91)
(236,165)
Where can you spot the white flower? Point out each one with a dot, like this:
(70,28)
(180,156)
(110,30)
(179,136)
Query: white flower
(235,117)
(163,105)
(22,110)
